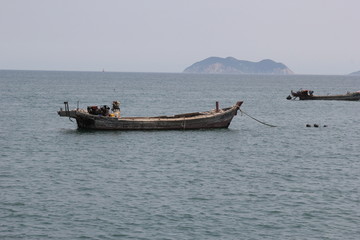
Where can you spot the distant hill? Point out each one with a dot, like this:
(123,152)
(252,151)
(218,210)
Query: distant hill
(232,65)
(355,73)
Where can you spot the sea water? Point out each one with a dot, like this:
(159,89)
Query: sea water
(250,181)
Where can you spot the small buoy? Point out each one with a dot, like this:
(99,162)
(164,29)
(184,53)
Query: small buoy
(316,125)
(325,125)
(308,125)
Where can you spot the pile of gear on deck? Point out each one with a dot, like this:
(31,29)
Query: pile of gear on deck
(105,110)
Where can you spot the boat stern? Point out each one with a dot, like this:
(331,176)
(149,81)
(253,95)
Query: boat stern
(67,112)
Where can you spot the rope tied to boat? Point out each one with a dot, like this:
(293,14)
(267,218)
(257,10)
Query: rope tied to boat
(267,124)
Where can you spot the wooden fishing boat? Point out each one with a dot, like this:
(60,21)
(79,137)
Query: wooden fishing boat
(308,95)
(104,119)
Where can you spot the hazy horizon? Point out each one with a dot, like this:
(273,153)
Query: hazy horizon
(310,37)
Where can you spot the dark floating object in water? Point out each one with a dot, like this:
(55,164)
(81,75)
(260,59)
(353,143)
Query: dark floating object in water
(103,119)
(315,125)
(308,95)
(289,97)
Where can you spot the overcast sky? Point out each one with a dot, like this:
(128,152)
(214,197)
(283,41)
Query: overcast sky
(309,36)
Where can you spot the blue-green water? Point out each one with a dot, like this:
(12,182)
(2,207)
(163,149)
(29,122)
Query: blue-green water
(246,182)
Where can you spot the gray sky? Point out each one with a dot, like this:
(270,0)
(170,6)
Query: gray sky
(309,36)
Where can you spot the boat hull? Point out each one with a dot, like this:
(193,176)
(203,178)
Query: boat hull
(203,120)
(334,97)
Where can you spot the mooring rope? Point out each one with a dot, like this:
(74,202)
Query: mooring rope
(256,119)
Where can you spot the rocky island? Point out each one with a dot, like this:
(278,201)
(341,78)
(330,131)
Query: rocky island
(232,65)
(355,73)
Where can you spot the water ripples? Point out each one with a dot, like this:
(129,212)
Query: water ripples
(245,182)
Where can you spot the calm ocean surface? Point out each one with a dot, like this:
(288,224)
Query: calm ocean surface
(250,181)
